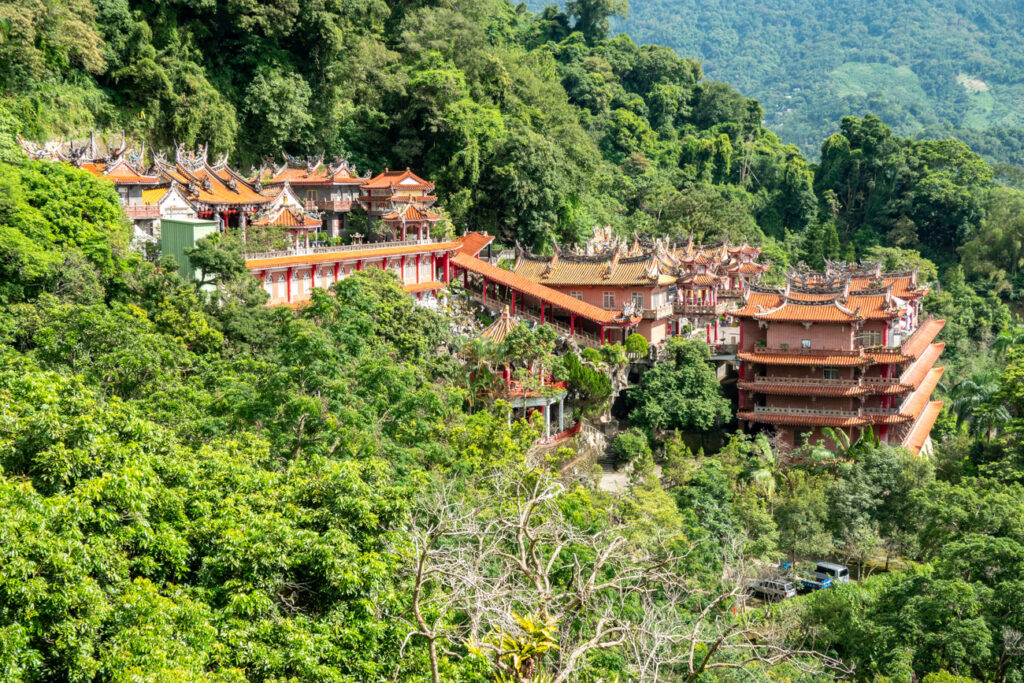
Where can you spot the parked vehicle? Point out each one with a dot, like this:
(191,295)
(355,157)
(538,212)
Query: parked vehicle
(771,590)
(805,576)
(830,570)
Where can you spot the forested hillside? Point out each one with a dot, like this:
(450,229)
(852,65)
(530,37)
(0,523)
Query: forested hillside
(930,68)
(197,487)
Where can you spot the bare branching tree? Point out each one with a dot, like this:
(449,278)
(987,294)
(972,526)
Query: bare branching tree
(501,572)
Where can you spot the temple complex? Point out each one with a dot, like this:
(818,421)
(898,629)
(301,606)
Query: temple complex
(844,349)
(304,197)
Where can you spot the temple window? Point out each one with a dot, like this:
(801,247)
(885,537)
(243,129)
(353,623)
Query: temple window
(805,343)
(638,299)
(831,373)
(576,295)
(608,300)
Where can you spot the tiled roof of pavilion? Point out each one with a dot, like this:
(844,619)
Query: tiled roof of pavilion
(681,259)
(826,298)
(397,180)
(311,171)
(118,163)
(610,268)
(216,185)
(797,311)
(287,217)
(500,328)
(411,212)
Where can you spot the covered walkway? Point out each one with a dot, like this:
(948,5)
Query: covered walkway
(496,287)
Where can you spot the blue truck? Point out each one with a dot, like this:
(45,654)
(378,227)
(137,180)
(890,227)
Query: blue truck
(807,579)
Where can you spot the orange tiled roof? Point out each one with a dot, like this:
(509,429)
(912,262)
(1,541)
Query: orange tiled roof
(472,243)
(917,401)
(923,427)
(398,179)
(702,280)
(500,328)
(217,190)
(552,296)
(321,174)
(565,271)
(922,337)
(756,302)
(888,418)
(123,174)
(920,369)
(370,253)
(873,307)
(287,218)
(783,418)
(411,212)
(430,286)
(819,312)
(813,387)
(819,359)
(901,285)
(884,355)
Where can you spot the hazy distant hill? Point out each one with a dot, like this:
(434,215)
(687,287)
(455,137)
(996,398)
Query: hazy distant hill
(927,67)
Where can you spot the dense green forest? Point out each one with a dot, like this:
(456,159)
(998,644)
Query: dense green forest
(928,68)
(198,487)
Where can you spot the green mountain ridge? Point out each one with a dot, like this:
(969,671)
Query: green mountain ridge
(928,68)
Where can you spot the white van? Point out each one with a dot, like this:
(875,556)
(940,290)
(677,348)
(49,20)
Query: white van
(837,572)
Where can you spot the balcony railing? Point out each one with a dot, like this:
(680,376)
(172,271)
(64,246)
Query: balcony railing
(800,351)
(340,248)
(881,381)
(785,410)
(698,309)
(803,381)
(329,205)
(142,211)
(662,311)
(880,411)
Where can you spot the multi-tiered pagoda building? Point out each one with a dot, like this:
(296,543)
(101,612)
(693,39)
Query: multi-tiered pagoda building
(845,349)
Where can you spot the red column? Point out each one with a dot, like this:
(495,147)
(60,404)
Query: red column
(572,324)
(337,270)
(433,266)
(447,274)
(402,266)
(716,330)
(485,291)
(465,278)
(885,335)
(288,282)
(513,302)
(602,335)
(359,264)
(542,312)
(417,268)
(709,332)
(741,335)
